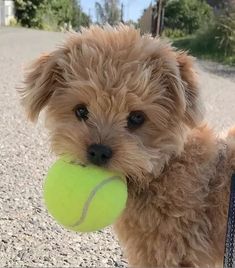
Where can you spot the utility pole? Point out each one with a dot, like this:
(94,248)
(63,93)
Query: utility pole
(159,16)
(89,13)
(122,12)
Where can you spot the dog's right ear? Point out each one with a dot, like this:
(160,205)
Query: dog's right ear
(41,80)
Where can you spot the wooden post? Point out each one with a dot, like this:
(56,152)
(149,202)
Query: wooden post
(159,17)
(154,21)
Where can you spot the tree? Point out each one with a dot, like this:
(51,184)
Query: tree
(218,4)
(187,15)
(26,12)
(50,14)
(109,12)
(79,18)
(62,9)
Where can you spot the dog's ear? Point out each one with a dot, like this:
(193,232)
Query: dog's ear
(174,71)
(41,80)
(194,111)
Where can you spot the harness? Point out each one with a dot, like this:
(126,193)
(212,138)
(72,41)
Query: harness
(229,251)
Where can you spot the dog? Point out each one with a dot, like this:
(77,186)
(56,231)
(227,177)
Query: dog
(131,103)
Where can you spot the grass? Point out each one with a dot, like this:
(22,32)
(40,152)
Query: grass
(203,48)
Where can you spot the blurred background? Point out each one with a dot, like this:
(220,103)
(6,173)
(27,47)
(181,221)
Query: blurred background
(204,27)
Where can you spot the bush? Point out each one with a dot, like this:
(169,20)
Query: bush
(187,15)
(224,31)
(215,41)
(50,14)
(173,33)
(26,12)
(218,37)
(48,21)
(13,22)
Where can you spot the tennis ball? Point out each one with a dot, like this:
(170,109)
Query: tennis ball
(84,198)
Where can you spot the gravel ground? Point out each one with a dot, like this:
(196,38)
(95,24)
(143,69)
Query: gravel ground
(29,237)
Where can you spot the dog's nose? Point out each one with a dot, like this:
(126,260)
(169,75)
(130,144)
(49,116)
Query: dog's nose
(99,154)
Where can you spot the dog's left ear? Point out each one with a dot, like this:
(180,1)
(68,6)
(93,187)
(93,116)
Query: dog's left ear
(43,77)
(194,112)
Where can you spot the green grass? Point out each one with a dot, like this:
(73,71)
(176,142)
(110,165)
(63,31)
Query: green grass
(203,48)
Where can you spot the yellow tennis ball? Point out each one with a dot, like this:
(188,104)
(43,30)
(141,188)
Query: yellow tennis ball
(84,198)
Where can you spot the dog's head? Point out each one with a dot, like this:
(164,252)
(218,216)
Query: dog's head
(116,99)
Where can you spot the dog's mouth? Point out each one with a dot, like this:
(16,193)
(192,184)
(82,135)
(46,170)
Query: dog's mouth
(128,179)
(82,164)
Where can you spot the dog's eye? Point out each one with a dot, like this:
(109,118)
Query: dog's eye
(81,112)
(135,119)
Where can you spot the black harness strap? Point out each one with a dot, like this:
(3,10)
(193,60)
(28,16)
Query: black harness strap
(229,252)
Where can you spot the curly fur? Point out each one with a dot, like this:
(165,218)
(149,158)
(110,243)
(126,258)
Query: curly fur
(178,171)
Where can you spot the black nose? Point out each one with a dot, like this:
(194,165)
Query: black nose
(99,154)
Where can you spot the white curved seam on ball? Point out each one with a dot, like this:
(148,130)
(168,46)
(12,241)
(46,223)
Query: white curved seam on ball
(90,197)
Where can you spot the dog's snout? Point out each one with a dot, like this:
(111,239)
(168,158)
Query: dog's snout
(99,154)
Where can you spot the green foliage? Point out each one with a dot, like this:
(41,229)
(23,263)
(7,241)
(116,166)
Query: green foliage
(224,32)
(62,10)
(109,12)
(173,33)
(216,40)
(26,10)
(85,20)
(48,21)
(50,14)
(79,18)
(13,23)
(187,15)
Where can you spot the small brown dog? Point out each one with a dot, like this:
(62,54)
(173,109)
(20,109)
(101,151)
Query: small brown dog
(131,104)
